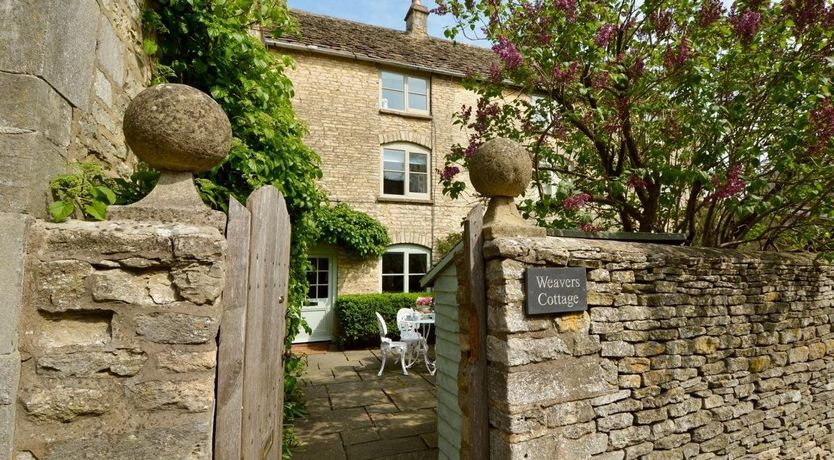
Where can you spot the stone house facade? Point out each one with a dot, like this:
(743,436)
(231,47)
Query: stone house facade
(379,104)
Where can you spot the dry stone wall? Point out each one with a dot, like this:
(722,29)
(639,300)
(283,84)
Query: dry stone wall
(118,341)
(683,353)
(67,72)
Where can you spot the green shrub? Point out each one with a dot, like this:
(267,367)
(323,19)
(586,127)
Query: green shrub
(357,321)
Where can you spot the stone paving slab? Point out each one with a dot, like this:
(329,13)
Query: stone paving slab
(356,415)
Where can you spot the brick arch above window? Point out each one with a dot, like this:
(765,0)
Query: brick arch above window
(410,237)
(405,136)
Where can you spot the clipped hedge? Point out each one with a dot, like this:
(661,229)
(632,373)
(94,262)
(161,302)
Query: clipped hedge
(357,324)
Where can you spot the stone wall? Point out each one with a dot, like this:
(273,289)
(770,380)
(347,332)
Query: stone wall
(117,339)
(68,70)
(683,353)
(339,101)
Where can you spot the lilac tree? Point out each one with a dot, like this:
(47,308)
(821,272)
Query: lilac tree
(659,116)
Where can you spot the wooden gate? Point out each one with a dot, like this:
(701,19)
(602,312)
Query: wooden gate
(250,380)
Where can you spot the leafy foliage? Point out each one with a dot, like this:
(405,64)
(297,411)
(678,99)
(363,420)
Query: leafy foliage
(356,315)
(448,242)
(659,116)
(358,233)
(207,44)
(86,192)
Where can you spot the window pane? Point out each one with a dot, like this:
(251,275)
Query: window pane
(323,263)
(393,183)
(392,262)
(414,283)
(418,162)
(311,277)
(417,85)
(417,102)
(393,160)
(393,283)
(418,183)
(323,294)
(311,293)
(392,80)
(322,277)
(393,100)
(418,263)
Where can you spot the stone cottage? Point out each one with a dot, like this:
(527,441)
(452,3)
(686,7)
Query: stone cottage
(379,104)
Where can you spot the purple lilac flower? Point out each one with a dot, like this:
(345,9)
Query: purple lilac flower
(605,34)
(495,75)
(822,124)
(567,75)
(636,182)
(733,186)
(600,80)
(710,12)
(442,8)
(568,7)
(746,24)
(576,202)
(661,22)
(673,59)
(508,53)
(465,113)
(449,172)
(804,12)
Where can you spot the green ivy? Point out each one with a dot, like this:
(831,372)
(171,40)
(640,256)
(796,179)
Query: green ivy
(207,44)
(86,192)
(358,233)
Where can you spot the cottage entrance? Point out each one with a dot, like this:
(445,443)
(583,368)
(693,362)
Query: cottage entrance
(318,311)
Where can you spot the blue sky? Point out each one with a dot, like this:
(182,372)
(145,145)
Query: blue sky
(385,13)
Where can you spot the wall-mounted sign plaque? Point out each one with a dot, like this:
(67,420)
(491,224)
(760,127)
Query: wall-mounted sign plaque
(556,290)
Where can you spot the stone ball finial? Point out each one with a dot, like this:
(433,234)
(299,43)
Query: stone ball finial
(177,128)
(501,167)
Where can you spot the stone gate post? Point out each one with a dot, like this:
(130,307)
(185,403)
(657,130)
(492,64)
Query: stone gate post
(119,318)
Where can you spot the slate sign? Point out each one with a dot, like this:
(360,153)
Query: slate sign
(556,290)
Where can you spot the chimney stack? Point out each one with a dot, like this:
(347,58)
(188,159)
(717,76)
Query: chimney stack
(415,20)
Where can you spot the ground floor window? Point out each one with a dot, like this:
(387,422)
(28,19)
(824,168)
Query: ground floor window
(402,267)
(318,279)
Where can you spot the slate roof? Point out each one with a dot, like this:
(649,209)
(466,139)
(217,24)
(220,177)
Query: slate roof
(378,44)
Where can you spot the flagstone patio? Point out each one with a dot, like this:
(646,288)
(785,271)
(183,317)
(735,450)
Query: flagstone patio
(355,415)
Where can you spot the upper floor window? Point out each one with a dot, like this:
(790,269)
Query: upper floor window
(403,265)
(404,93)
(405,171)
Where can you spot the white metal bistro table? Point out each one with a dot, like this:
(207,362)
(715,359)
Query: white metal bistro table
(425,322)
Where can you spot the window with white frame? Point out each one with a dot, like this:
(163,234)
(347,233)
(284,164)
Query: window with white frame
(402,267)
(404,93)
(405,171)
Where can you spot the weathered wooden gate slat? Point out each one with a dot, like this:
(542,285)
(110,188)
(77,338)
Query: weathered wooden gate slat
(228,421)
(250,390)
(263,391)
(476,365)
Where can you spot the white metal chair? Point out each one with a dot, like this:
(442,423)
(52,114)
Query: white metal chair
(409,333)
(387,346)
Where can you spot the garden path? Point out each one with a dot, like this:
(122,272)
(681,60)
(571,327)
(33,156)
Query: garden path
(355,415)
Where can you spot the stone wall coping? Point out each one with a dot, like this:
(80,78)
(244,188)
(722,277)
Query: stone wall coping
(546,250)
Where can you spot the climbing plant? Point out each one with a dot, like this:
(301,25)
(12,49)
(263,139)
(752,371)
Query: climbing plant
(212,45)
(358,233)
